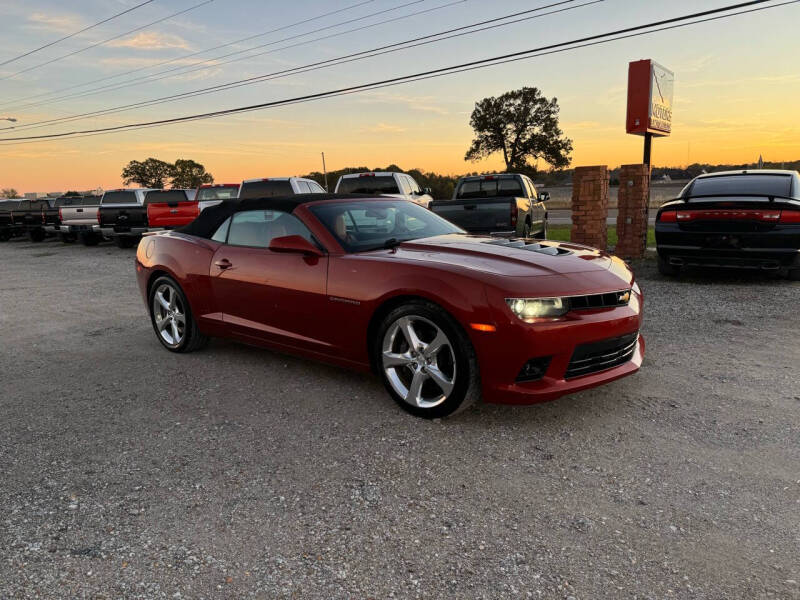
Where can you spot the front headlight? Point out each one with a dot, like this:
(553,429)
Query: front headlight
(531,310)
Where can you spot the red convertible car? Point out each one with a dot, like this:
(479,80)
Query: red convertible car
(384,284)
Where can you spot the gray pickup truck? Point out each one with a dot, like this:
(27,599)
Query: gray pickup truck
(505,204)
(77,218)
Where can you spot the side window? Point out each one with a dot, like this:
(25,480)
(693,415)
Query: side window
(316,188)
(415,189)
(302,187)
(222,233)
(257,228)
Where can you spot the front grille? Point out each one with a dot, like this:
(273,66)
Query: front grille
(599,356)
(608,300)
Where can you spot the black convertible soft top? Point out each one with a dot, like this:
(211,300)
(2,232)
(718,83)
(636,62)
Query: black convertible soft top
(208,221)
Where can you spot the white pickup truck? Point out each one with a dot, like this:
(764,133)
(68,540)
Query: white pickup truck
(385,183)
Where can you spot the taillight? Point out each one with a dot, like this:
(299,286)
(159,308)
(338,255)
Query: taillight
(60,215)
(668,216)
(514,213)
(790,216)
(98,215)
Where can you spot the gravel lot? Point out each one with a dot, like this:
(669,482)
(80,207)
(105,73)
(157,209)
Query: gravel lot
(129,472)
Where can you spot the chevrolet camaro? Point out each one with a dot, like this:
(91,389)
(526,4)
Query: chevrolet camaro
(384,284)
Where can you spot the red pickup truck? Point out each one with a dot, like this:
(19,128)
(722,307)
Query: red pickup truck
(168,210)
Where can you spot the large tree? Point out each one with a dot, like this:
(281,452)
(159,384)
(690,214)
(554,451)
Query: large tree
(523,125)
(190,174)
(9,193)
(151,173)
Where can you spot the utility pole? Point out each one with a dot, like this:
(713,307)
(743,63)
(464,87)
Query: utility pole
(325,172)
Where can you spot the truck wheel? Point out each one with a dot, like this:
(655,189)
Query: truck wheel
(5,236)
(36,235)
(89,239)
(172,318)
(67,238)
(426,361)
(526,230)
(667,269)
(124,241)
(793,274)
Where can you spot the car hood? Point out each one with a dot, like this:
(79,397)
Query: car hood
(508,258)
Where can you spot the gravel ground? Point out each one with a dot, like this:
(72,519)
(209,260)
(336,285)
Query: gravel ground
(130,472)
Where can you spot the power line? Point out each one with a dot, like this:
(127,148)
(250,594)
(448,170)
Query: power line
(186,69)
(386,49)
(629,32)
(177,58)
(111,39)
(71,35)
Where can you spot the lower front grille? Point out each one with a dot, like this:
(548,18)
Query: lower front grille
(599,356)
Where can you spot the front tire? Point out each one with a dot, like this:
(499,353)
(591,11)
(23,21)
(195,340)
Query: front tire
(426,361)
(172,318)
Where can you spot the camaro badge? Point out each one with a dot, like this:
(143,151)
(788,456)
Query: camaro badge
(624,297)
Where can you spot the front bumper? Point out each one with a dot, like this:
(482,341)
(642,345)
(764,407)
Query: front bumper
(503,354)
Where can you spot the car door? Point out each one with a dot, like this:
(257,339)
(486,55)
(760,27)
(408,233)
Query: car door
(266,295)
(538,209)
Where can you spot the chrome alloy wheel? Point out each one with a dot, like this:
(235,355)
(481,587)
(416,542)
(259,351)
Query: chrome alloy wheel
(169,314)
(419,361)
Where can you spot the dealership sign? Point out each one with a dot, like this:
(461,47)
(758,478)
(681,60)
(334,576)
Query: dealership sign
(650,92)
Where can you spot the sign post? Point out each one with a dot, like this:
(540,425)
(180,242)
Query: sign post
(650,96)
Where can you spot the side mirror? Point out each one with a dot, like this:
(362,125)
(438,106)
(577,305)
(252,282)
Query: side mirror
(544,196)
(296,244)
(428,191)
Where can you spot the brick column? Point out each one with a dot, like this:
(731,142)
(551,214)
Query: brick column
(634,186)
(590,206)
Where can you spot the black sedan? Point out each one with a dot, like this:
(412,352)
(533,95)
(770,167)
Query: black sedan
(740,219)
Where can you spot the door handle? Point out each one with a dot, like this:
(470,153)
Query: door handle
(223,264)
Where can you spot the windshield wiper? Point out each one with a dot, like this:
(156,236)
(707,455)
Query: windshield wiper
(392,243)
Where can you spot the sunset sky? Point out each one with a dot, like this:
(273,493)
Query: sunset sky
(736,90)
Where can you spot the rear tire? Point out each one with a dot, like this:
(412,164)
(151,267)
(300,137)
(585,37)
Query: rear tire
(667,269)
(36,235)
(171,317)
(67,238)
(526,230)
(89,239)
(124,241)
(439,377)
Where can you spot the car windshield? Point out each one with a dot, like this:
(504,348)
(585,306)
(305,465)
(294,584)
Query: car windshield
(165,196)
(266,188)
(119,198)
(486,188)
(372,224)
(768,185)
(218,193)
(368,184)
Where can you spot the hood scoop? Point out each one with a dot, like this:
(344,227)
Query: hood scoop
(532,247)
